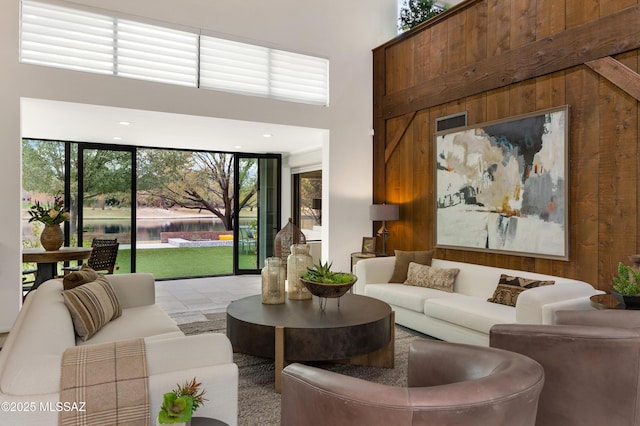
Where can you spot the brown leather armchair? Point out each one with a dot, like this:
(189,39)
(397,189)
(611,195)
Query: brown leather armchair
(591,361)
(448,384)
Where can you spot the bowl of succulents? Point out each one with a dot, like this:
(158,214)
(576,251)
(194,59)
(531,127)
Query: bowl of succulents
(322,282)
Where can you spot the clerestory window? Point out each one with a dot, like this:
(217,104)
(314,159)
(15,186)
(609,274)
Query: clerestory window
(63,37)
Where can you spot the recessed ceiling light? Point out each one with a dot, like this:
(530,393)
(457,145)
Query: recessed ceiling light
(117,138)
(237,147)
(125,123)
(267,135)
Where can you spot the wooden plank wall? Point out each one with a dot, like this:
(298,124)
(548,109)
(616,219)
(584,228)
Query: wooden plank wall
(424,66)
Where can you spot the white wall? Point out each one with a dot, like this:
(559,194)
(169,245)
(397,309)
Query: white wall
(343,31)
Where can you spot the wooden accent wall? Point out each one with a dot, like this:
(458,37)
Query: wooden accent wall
(499,58)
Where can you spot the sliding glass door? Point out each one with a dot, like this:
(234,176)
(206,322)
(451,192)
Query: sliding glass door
(106,190)
(257,210)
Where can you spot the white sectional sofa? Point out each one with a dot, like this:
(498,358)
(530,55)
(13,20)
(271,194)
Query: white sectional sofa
(31,356)
(465,315)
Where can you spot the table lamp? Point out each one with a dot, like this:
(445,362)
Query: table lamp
(384,212)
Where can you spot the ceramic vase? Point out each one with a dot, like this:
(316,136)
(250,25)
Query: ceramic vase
(273,280)
(52,237)
(285,238)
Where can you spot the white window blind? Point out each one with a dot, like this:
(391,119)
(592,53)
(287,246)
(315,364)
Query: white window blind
(300,77)
(66,38)
(56,36)
(237,67)
(242,67)
(158,54)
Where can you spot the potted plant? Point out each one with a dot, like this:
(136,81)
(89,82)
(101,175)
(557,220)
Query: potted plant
(321,281)
(179,405)
(626,286)
(52,216)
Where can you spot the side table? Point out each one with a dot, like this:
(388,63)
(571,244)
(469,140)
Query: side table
(356,257)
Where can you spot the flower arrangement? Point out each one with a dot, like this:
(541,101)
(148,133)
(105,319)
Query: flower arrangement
(52,214)
(179,405)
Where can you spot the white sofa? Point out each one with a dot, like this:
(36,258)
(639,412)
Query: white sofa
(31,356)
(465,316)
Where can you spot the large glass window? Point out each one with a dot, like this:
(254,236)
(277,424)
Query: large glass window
(184,217)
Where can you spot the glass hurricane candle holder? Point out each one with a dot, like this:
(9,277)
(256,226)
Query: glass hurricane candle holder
(273,279)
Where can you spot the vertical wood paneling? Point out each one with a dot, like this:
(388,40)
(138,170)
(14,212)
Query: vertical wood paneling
(421,67)
(396,180)
(476,32)
(456,41)
(523,22)
(604,124)
(438,51)
(582,94)
(617,178)
(423,196)
(581,11)
(399,69)
(550,17)
(498,27)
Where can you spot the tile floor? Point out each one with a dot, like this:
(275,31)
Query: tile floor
(188,300)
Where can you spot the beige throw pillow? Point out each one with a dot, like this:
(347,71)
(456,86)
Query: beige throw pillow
(92,306)
(510,287)
(403,258)
(431,277)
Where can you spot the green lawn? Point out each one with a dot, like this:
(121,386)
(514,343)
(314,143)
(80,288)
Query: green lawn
(183,262)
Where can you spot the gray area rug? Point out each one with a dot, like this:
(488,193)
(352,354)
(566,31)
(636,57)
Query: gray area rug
(259,404)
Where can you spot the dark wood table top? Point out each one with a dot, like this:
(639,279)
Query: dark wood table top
(40,255)
(354,310)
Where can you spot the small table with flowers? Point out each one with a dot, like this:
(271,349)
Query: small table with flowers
(47,261)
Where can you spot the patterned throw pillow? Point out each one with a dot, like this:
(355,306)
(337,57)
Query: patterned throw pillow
(403,258)
(510,287)
(92,306)
(431,277)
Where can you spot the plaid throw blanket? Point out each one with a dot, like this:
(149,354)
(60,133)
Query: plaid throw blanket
(105,384)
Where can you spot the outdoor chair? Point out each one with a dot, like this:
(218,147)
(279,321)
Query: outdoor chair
(103,256)
(247,240)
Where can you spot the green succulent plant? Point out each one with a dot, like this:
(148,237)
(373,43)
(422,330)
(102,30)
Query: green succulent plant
(627,281)
(322,273)
(179,405)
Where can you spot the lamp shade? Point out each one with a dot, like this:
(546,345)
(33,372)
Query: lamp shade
(384,212)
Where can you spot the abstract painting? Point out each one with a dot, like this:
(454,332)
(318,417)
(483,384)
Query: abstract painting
(502,186)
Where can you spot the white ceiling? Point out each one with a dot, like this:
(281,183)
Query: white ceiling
(44,119)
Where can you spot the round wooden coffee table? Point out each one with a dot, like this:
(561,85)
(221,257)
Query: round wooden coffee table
(360,331)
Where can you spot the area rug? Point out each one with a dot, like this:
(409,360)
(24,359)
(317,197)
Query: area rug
(259,404)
